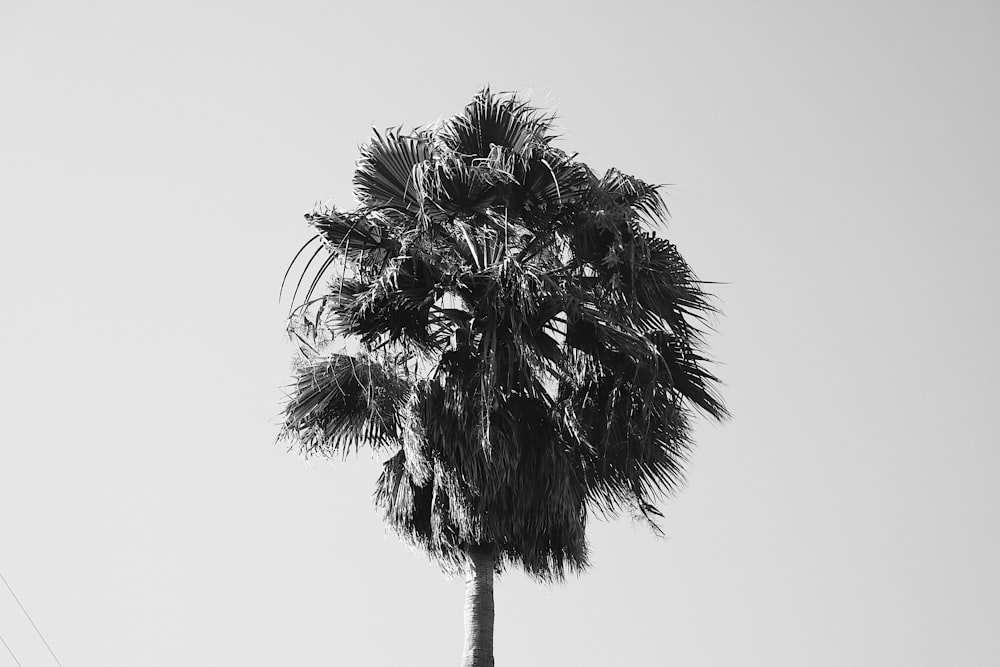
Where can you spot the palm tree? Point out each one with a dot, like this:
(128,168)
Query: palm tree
(503,325)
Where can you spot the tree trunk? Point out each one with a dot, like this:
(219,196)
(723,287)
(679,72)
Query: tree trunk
(479,608)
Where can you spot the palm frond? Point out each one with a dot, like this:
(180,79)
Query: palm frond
(347,233)
(632,192)
(384,175)
(458,188)
(339,402)
(494,120)
(687,374)
(552,180)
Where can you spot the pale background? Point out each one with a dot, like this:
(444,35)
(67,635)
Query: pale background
(835,163)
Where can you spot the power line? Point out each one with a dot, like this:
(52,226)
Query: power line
(9,651)
(39,632)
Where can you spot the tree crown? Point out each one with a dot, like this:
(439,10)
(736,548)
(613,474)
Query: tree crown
(523,346)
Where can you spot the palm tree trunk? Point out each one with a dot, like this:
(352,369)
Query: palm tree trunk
(479,608)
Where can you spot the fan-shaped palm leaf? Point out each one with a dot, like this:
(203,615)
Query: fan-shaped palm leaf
(493,120)
(384,175)
(339,401)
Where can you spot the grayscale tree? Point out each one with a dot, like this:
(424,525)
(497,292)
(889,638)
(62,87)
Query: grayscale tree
(506,329)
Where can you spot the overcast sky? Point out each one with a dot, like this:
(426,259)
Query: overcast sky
(834,164)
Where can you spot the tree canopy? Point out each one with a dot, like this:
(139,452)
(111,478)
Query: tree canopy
(524,349)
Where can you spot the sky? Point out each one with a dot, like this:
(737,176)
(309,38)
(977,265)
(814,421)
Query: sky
(834,165)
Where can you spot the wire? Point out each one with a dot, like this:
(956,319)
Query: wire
(9,651)
(39,632)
